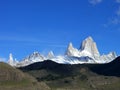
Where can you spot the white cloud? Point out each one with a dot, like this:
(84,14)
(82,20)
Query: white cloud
(118,12)
(94,2)
(118,1)
(115,21)
(112,21)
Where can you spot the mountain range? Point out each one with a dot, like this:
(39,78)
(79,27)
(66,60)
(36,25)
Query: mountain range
(76,76)
(49,75)
(79,69)
(88,53)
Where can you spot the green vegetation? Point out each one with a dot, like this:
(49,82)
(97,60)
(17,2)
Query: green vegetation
(49,75)
(14,79)
(74,77)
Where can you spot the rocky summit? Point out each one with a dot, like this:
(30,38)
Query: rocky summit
(87,53)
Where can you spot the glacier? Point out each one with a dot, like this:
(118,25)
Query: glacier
(87,53)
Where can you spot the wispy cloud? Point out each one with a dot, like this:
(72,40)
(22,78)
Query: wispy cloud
(18,39)
(29,41)
(112,21)
(118,12)
(115,19)
(94,2)
(118,1)
(25,40)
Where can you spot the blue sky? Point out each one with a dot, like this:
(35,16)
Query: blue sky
(43,25)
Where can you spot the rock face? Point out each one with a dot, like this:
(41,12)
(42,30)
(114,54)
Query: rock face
(88,53)
(89,49)
(34,57)
(11,61)
(50,55)
(71,51)
(90,46)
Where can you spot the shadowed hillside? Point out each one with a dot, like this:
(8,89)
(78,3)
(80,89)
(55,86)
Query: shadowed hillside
(14,79)
(110,69)
(81,76)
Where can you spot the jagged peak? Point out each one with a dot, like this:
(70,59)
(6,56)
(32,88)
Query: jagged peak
(11,61)
(36,52)
(90,46)
(70,45)
(89,38)
(11,57)
(72,55)
(71,51)
(50,54)
(113,54)
(87,42)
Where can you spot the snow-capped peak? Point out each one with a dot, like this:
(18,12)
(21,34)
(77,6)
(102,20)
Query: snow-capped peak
(90,46)
(10,57)
(11,61)
(71,51)
(34,57)
(70,45)
(86,43)
(50,55)
(89,49)
(88,53)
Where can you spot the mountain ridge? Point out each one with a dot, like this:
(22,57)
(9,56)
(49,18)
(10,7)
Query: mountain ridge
(88,53)
(97,68)
(76,76)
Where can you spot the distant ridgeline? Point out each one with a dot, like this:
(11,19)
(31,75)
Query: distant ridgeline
(88,53)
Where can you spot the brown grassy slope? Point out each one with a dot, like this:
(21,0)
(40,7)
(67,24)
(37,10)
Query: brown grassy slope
(77,77)
(14,79)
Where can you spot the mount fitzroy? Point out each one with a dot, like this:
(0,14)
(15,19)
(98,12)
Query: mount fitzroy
(88,53)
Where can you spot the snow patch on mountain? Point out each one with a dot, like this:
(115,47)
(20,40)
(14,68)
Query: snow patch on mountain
(50,55)
(89,48)
(88,53)
(34,57)
(11,61)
